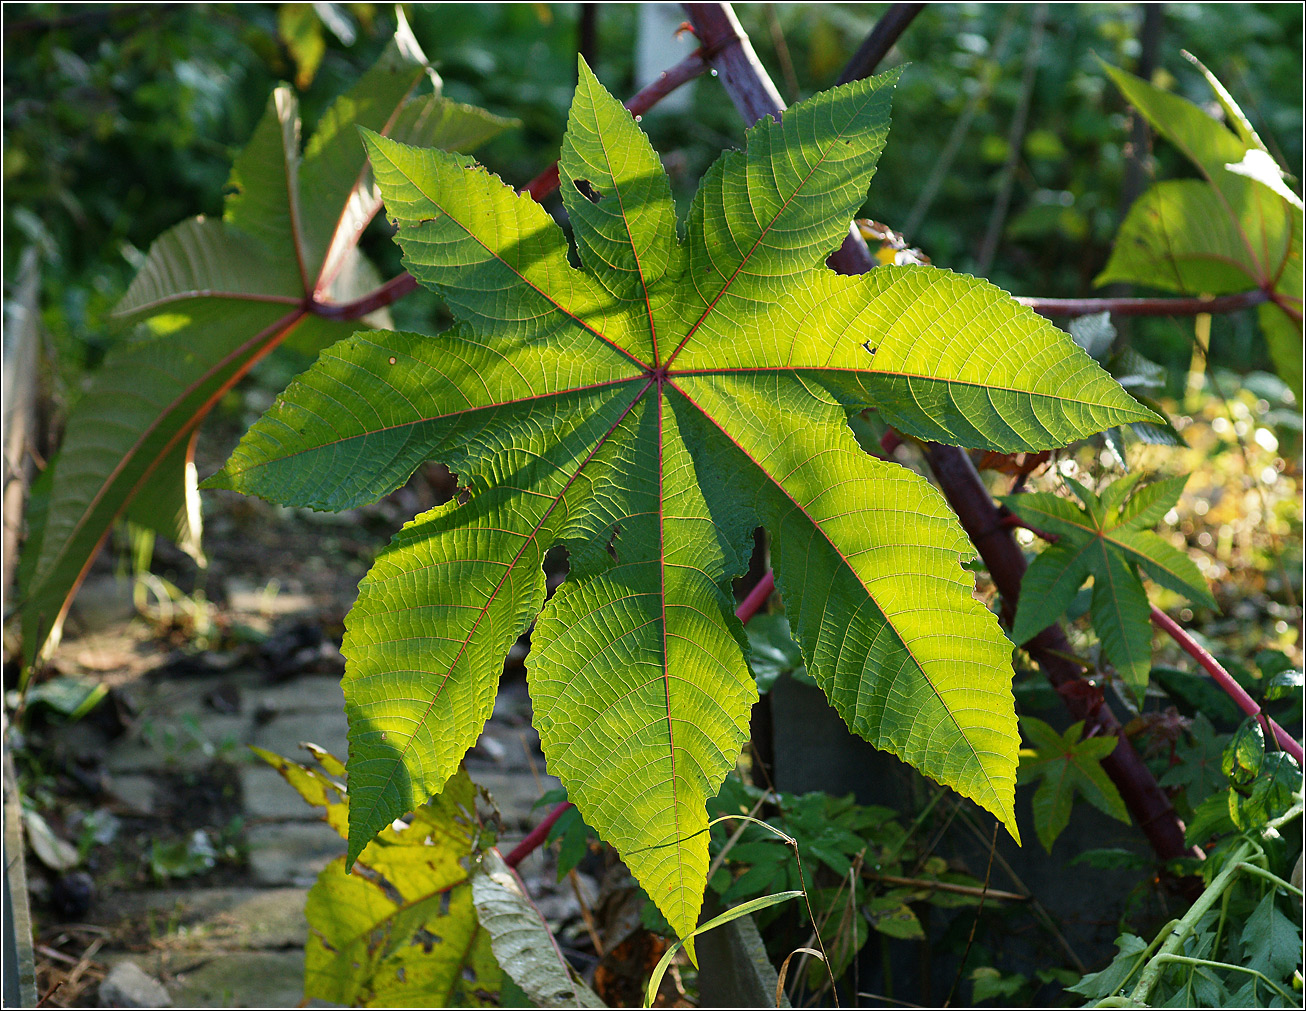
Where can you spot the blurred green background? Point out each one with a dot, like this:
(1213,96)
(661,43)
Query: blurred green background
(121,120)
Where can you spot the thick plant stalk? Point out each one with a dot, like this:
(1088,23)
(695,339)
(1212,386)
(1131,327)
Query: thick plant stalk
(754,95)
(881,39)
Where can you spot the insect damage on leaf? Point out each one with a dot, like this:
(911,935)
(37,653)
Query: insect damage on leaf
(681,392)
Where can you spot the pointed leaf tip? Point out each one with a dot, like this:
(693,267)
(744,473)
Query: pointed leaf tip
(648,410)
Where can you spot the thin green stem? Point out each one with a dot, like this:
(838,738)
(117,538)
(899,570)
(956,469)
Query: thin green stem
(1151,974)
(1220,923)
(802,877)
(1261,872)
(1188,960)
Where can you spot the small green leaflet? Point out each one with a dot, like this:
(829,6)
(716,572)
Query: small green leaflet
(648,411)
(1239,228)
(1107,540)
(1066,765)
(1271,942)
(988,983)
(1198,769)
(1130,951)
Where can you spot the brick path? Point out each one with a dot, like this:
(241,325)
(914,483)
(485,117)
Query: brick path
(241,943)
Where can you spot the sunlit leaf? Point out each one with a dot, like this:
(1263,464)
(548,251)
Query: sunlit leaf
(648,411)
(1237,229)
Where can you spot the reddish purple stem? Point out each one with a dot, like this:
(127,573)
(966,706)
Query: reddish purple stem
(393,290)
(1145,306)
(756,597)
(535,838)
(1225,680)
(1194,649)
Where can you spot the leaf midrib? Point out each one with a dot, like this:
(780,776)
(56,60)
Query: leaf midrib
(847,564)
(426,420)
(189,294)
(1107,578)
(634,249)
(893,374)
(494,593)
(666,673)
(853,118)
(494,253)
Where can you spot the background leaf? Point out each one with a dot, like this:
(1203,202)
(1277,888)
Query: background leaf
(211,300)
(521,940)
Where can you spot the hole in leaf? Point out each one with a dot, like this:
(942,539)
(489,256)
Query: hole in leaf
(587,191)
(425,939)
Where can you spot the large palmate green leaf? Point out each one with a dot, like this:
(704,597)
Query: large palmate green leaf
(1108,540)
(212,298)
(402,929)
(1237,229)
(648,411)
